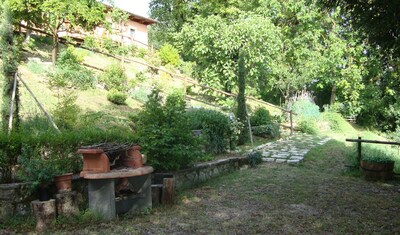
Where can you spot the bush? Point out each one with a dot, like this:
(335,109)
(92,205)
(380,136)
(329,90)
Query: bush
(27,145)
(305,109)
(169,55)
(117,97)
(140,93)
(308,126)
(254,159)
(115,77)
(260,117)
(214,126)
(91,42)
(142,52)
(165,134)
(69,73)
(66,111)
(270,130)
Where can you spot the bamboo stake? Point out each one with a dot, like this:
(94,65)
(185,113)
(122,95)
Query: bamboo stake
(40,105)
(12,104)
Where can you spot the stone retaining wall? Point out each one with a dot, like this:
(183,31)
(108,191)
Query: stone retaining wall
(15,199)
(201,172)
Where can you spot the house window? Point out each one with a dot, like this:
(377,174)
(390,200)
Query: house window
(132,33)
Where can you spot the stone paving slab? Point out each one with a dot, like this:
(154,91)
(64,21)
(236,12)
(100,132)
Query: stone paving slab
(290,150)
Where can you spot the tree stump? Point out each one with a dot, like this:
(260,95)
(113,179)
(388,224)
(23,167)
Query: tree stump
(67,203)
(44,212)
(168,191)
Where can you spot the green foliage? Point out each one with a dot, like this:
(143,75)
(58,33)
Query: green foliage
(9,150)
(140,93)
(169,55)
(91,42)
(260,117)
(117,97)
(308,126)
(69,73)
(115,77)
(142,52)
(254,159)
(241,100)
(215,128)
(270,130)
(305,109)
(66,112)
(372,154)
(165,134)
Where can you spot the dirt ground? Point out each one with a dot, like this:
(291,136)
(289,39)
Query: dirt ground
(319,196)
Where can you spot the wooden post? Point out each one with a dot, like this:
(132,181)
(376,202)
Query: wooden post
(168,191)
(359,150)
(12,104)
(291,122)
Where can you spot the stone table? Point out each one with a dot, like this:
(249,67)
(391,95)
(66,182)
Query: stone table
(102,196)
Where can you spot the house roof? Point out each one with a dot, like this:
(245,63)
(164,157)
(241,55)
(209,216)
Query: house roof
(135,17)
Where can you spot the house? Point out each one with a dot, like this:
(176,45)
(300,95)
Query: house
(132,31)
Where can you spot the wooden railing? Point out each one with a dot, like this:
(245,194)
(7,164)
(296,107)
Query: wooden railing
(359,140)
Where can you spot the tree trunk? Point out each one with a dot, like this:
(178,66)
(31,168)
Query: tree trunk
(28,32)
(54,51)
(333,95)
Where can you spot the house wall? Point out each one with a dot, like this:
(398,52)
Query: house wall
(140,37)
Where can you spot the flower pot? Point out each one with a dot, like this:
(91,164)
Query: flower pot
(63,182)
(377,170)
(134,158)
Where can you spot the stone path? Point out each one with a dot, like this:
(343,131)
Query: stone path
(291,149)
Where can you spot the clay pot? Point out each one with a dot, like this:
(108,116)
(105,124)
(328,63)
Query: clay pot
(377,170)
(134,158)
(63,182)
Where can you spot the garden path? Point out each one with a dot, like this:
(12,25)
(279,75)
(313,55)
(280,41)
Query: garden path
(291,149)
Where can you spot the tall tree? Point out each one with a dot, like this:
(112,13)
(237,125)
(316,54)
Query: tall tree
(9,52)
(241,100)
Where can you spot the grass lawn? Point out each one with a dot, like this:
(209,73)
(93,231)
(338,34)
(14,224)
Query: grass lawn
(320,196)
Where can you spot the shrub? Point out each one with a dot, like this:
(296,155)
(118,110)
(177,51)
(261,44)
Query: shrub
(308,126)
(115,77)
(305,109)
(215,128)
(140,93)
(165,134)
(69,73)
(66,111)
(260,117)
(117,97)
(270,130)
(142,52)
(169,55)
(254,159)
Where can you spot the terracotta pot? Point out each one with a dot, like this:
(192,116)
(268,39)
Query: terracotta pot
(134,158)
(377,170)
(63,182)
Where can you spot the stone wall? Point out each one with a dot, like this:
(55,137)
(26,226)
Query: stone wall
(201,172)
(15,199)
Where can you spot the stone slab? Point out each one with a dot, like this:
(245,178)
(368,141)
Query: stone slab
(280,160)
(293,161)
(269,159)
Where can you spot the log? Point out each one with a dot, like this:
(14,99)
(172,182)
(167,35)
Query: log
(156,190)
(44,212)
(67,203)
(168,191)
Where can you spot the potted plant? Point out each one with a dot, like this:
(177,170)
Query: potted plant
(65,164)
(376,164)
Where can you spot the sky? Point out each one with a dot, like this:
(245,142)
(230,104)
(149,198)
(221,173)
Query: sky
(140,7)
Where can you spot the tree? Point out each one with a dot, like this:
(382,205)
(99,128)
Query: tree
(214,44)
(380,20)
(56,15)
(241,99)
(10,54)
